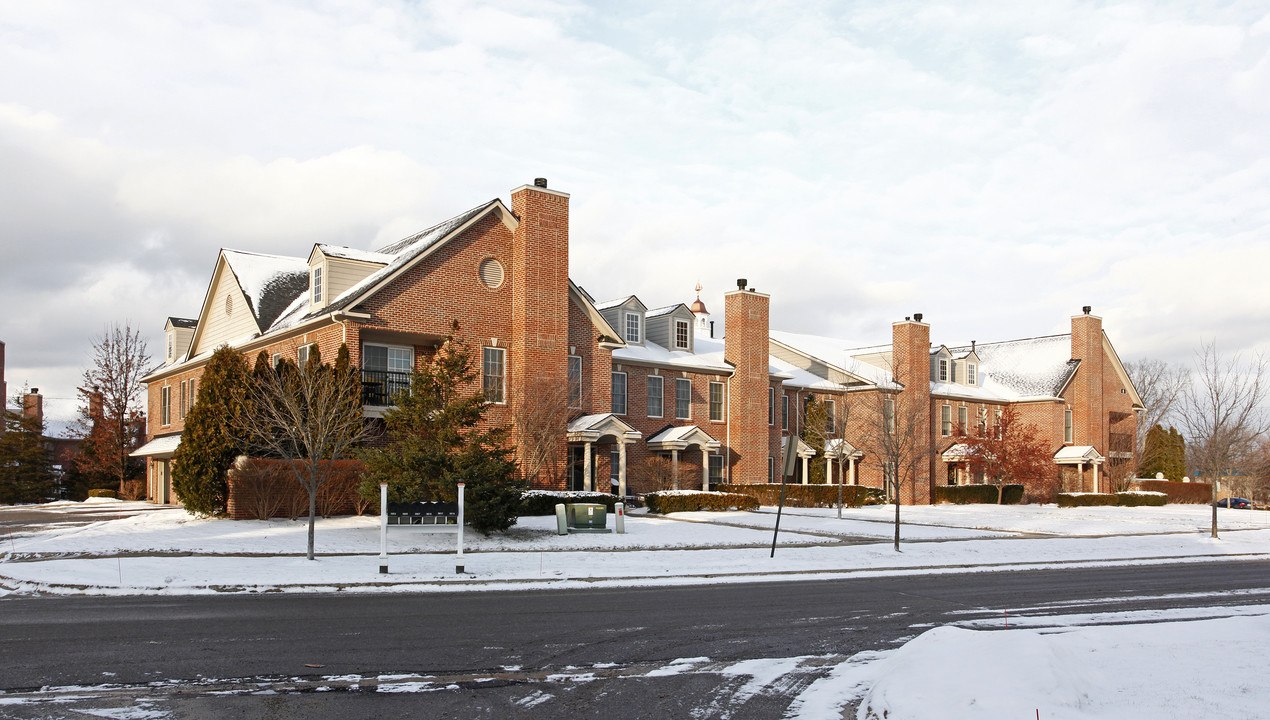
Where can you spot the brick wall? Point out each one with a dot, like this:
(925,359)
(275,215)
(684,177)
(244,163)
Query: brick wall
(745,346)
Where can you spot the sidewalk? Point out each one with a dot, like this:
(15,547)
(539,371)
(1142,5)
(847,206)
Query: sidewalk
(168,552)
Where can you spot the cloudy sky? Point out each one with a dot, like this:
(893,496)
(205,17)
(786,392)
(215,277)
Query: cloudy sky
(994,166)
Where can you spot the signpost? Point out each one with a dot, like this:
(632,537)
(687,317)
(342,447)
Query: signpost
(789,464)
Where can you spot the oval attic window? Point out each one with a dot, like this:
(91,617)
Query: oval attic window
(229,304)
(491,272)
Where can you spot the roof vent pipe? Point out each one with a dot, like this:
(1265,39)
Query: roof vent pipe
(972,346)
(740,283)
(917,317)
(540,182)
(1087,309)
(711,329)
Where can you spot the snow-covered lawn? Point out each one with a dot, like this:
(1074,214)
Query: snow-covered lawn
(168,551)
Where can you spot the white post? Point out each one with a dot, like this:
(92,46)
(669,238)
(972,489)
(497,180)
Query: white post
(383,528)
(806,473)
(851,470)
(621,467)
(459,559)
(674,467)
(586,467)
(828,471)
(619,522)
(705,469)
(1095,477)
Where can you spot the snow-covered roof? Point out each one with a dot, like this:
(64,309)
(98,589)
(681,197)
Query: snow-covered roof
(796,377)
(188,323)
(159,446)
(708,356)
(348,253)
(1077,454)
(612,303)
(1020,369)
(270,282)
(665,310)
(682,433)
(836,352)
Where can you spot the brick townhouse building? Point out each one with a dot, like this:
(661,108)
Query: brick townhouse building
(641,382)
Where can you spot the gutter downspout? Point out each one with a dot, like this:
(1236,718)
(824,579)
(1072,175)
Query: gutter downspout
(727,433)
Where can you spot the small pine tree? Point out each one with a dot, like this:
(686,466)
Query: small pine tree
(1155,452)
(208,445)
(26,472)
(1175,469)
(436,440)
(815,434)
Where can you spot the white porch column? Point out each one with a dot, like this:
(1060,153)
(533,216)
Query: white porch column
(806,472)
(705,469)
(828,471)
(1095,477)
(586,466)
(674,467)
(621,468)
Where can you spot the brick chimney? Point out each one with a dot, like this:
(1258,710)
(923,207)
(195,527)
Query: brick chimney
(1089,416)
(540,290)
(910,360)
(745,318)
(33,406)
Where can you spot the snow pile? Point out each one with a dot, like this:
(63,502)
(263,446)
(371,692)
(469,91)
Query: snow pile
(1118,671)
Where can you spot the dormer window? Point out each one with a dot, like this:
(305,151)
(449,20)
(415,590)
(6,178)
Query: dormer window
(634,327)
(171,337)
(943,370)
(972,374)
(316,282)
(681,334)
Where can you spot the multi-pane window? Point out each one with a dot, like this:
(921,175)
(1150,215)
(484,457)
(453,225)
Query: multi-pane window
(575,381)
(193,391)
(983,422)
(180,412)
(385,372)
(972,374)
(317,285)
(170,346)
(165,405)
(656,390)
(303,353)
(784,412)
(681,334)
(619,393)
(771,406)
(494,374)
(996,421)
(888,415)
(683,398)
(615,469)
(963,419)
(633,329)
(945,420)
(829,417)
(943,370)
(771,469)
(1067,427)
(716,469)
(716,401)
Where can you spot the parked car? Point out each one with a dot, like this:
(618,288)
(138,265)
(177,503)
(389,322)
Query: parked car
(1234,502)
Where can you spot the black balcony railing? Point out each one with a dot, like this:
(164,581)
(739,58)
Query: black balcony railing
(379,387)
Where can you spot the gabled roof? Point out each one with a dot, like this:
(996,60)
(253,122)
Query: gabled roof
(1039,367)
(183,323)
(269,282)
(608,335)
(347,253)
(667,310)
(1075,454)
(678,437)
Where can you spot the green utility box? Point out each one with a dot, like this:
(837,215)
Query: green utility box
(586,516)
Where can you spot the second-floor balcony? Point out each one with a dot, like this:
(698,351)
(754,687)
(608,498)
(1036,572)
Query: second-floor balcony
(1120,442)
(379,387)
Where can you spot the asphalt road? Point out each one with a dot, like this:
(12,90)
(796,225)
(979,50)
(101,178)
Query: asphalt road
(544,654)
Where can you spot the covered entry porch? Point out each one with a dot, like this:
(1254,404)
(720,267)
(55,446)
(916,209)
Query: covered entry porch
(589,433)
(679,438)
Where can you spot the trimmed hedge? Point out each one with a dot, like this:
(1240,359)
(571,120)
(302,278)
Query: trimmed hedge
(978,494)
(102,493)
(1140,499)
(543,502)
(807,496)
(672,501)
(1123,499)
(1195,493)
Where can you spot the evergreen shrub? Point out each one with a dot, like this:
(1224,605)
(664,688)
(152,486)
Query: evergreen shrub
(543,502)
(1086,499)
(1140,499)
(808,496)
(672,501)
(978,494)
(1180,492)
(102,493)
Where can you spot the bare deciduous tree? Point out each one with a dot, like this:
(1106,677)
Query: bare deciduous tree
(1223,412)
(541,417)
(112,410)
(1160,385)
(308,417)
(897,432)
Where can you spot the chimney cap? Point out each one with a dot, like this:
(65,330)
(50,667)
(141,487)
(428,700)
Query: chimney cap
(741,283)
(917,317)
(34,391)
(1086,309)
(540,182)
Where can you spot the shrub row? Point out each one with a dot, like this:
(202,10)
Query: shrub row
(543,502)
(978,494)
(808,496)
(691,501)
(102,493)
(1179,492)
(260,489)
(1123,499)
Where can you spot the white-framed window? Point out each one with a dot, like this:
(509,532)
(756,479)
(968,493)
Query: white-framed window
(303,353)
(963,419)
(619,393)
(575,381)
(656,396)
(943,370)
(193,391)
(316,282)
(771,406)
(784,412)
(615,467)
(275,360)
(972,374)
(996,422)
(888,415)
(1068,434)
(165,405)
(388,358)
(716,402)
(830,420)
(181,407)
(634,327)
(681,335)
(945,420)
(683,399)
(716,469)
(494,374)
(771,469)
(170,346)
